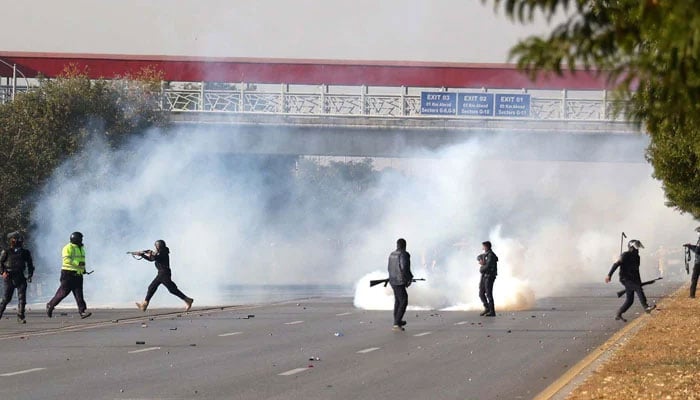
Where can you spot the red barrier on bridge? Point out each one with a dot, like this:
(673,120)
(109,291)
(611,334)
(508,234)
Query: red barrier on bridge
(331,72)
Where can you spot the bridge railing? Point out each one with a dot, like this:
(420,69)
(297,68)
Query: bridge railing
(374,102)
(398,102)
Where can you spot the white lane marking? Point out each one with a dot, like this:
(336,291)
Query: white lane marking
(369,350)
(293,322)
(423,333)
(461,322)
(230,334)
(293,371)
(341,314)
(26,371)
(144,350)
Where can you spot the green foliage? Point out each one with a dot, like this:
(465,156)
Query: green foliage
(650,52)
(42,128)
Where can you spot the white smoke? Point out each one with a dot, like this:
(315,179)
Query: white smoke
(229,219)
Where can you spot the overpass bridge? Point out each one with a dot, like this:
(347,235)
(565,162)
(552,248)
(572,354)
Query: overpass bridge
(369,109)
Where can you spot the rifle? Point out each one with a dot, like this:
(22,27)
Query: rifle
(139,254)
(687,260)
(621,292)
(386,281)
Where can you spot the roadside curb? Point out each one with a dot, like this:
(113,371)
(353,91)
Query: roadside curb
(572,377)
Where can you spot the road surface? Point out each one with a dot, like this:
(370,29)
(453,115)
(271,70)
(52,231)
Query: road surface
(318,348)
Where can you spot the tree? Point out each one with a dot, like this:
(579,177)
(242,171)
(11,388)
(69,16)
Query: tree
(43,127)
(650,52)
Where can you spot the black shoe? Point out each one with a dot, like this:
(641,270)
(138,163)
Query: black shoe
(402,323)
(20,319)
(483,313)
(85,314)
(490,314)
(619,317)
(649,309)
(397,328)
(49,310)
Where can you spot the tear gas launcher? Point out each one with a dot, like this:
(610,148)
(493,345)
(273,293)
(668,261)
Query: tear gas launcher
(386,281)
(139,254)
(621,292)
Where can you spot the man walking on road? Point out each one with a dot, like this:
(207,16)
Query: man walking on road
(13,263)
(488,262)
(400,277)
(696,267)
(630,279)
(72,272)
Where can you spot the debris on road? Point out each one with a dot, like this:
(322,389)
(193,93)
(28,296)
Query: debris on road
(140,342)
(338,334)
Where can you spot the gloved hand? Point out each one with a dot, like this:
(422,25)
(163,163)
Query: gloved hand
(81,264)
(29,279)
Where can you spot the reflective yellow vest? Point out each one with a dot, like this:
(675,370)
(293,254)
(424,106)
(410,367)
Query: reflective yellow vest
(73,255)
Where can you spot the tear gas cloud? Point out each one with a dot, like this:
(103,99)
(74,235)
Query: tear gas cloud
(232,219)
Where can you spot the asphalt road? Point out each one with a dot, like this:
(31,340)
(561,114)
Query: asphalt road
(221,353)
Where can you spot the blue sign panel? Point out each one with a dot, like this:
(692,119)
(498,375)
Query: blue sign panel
(475,104)
(513,105)
(438,103)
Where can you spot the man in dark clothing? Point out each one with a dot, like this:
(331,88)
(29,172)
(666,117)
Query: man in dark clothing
(488,262)
(400,277)
(696,267)
(630,279)
(13,263)
(161,257)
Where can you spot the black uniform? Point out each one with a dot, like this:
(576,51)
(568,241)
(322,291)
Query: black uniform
(164,277)
(630,279)
(400,277)
(696,268)
(489,270)
(14,262)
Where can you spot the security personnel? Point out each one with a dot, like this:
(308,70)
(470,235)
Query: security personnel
(161,257)
(72,273)
(630,279)
(400,277)
(489,269)
(13,263)
(696,267)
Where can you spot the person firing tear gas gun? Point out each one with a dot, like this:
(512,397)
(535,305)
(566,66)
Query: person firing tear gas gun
(161,257)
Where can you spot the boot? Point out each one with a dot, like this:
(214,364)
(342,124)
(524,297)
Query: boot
(649,309)
(85,314)
(20,319)
(483,313)
(619,317)
(188,302)
(142,306)
(49,310)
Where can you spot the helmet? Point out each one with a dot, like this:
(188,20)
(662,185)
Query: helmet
(636,244)
(76,238)
(15,238)
(160,244)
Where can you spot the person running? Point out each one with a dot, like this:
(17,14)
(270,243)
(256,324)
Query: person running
(72,272)
(629,277)
(161,257)
(13,263)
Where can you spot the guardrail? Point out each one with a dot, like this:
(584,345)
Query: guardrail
(324,100)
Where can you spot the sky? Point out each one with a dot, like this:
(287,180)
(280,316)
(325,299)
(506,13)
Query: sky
(394,30)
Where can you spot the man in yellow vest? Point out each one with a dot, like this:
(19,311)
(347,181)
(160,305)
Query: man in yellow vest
(71,276)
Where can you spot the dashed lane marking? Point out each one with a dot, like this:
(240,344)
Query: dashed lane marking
(293,322)
(369,350)
(144,350)
(293,371)
(230,334)
(26,371)
(423,333)
(461,322)
(341,314)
